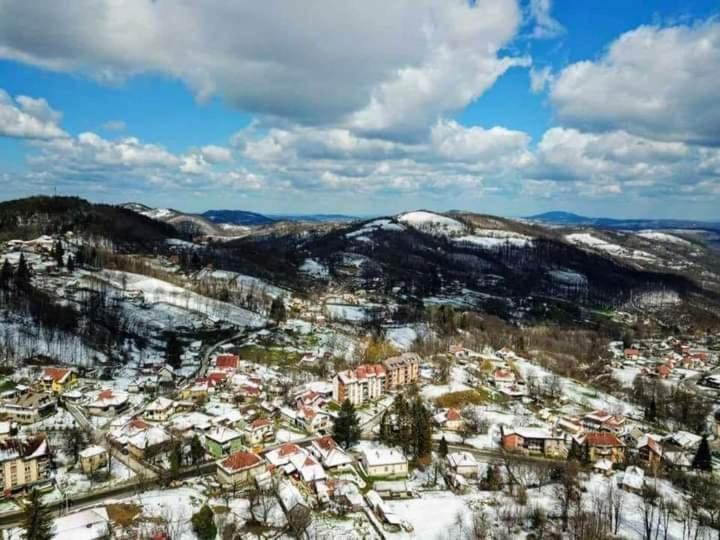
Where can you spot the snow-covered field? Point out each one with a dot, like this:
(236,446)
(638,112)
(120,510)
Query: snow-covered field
(156,291)
(247,284)
(495,238)
(587,240)
(313,268)
(663,237)
(432,223)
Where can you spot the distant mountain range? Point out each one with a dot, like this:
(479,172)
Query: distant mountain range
(570,219)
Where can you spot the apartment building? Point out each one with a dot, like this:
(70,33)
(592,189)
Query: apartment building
(23,462)
(401,370)
(360,385)
(26,407)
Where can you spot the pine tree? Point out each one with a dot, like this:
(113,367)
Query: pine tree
(443,447)
(347,425)
(36,522)
(6,274)
(203,523)
(703,459)
(175,460)
(70,264)
(22,274)
(197,452)
(58,253)
(277,310)
(422,429)
(173,350)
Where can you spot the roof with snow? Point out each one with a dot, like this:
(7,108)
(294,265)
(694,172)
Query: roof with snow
(240,461)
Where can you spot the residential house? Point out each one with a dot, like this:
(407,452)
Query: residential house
(159,410)
(632,354)
(227,362)
(23,462)
(307,468)
(221,441)
(57,380)
(603,421)
(633,479)
(534,441)
(93,458)
(596,445)
(280,457)
(109,402)
(502,377)
(463,463)
(449,420)
(401,370)
(259,431)
(329,453)
(384,462)
(149,443)
(650,450)
(360,385)
(26,407)
(313,420)
(240,468)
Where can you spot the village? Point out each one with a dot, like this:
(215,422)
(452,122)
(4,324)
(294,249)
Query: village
(289,423)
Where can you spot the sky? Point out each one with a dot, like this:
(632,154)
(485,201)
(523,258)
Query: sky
(508,107)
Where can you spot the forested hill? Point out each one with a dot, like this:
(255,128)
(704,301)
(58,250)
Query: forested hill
(34,216)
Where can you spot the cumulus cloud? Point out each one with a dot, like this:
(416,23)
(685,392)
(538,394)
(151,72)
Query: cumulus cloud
(314,63)
(655,82)
(28,118)
(216,154)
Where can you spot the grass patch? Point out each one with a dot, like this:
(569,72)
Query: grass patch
(123,513)
(457,400)
(6,385)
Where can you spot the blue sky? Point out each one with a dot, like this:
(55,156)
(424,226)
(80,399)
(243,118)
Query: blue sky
(497,106)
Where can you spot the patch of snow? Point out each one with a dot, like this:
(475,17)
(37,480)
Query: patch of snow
(593,242)
(313,268)
(663,237)
(432,223)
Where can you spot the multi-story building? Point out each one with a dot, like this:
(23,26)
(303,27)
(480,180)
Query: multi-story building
(360,385)
(26,407)
(58,380)
(23,462)
(402,370)
(534,441)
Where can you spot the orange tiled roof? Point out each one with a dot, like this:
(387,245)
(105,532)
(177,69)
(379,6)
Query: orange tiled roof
(241,460)
(56,374)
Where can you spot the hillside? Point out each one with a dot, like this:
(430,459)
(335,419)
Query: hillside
(508,267)
(31,217)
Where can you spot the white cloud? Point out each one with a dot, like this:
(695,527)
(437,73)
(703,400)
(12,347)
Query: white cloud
(28,118)
(216,154)
(660,83)
(114,125)
(378,66)
(545,26)
(540,79)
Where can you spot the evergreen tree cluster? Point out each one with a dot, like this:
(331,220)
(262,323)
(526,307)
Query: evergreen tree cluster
(408,424)
(347,425)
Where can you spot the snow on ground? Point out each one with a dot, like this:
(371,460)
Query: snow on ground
(656,299)
(663,237)
(626,375)
(248,284)
(313,268)
(456,384)
(593,242)
(433,515)
(495,238)
(156,291)
(74,482)
(285,435)
(403,337)
(568,277)
(372,226)
(432,223)
(578,393)
(347,312)
(176,505)
(25,340)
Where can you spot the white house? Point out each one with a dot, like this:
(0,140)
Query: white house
(463,463)
(384,462)
(160,409)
